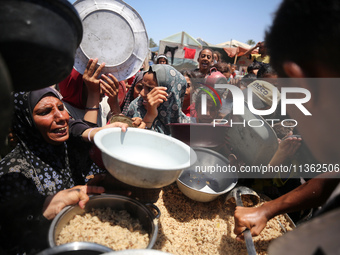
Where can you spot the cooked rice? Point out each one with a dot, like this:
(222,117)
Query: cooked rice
(114,229)
(190,227)
(185,227)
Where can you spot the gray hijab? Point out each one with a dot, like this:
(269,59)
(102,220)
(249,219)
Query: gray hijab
(169,111)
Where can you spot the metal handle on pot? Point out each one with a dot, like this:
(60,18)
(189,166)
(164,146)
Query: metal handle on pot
(156,208)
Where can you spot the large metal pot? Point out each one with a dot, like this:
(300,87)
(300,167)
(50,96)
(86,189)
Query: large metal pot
(116,202)
(38,40)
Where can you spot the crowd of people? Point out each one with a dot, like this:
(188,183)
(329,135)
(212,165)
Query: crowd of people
(53,165)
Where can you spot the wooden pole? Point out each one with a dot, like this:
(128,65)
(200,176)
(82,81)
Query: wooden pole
(237,51)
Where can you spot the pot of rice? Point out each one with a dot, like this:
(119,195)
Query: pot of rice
(115,221)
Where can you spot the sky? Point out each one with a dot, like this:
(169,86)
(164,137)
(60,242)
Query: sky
(215,22)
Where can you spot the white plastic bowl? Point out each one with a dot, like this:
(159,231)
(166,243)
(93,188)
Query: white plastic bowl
(143,158)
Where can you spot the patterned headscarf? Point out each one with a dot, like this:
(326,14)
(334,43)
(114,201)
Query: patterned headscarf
(129,96)
(47,165)
(169,111)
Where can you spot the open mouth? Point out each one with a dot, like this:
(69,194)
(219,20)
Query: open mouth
(60,130)
(205,64)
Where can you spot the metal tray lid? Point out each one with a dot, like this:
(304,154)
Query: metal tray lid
(115,34)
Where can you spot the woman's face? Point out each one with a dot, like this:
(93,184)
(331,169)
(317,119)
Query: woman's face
(137,89)
(149,82)
(51,119)
(188,90)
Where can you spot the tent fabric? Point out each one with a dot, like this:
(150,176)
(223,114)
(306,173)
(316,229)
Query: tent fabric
(205,43)
(234,43)
(232,52)
(187,52)
(183,38)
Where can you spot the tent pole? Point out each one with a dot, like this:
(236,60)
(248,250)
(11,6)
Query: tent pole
(237,51)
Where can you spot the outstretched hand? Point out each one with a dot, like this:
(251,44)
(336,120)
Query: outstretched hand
(288,147)
(110,85)
(76,195)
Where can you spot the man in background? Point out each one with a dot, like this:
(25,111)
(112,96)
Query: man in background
(262,55)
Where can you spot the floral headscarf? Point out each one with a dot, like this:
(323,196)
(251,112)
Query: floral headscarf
(169,111)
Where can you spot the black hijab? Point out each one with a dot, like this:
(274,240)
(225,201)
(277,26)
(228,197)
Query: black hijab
(31,172)
(52,168)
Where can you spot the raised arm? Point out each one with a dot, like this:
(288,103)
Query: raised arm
(248,52)
(92,82)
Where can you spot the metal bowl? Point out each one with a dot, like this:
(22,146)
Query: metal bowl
(199,134)
(116,202)
(143,158)
(76,248)
(208,178)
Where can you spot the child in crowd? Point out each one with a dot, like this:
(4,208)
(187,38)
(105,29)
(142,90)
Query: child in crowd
(162,59)
(161,99)
(223,68)
(187,97)
(217,57)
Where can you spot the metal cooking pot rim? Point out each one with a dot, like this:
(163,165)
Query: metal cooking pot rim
(153,237)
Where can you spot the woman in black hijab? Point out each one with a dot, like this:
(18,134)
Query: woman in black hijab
(40,176)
